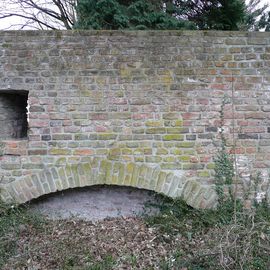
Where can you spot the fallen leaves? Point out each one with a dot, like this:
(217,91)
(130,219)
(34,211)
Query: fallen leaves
(80,243)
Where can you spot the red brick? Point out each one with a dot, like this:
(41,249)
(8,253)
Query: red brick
(84,152)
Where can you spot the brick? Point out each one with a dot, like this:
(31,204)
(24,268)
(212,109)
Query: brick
(84,152)
(171,166)
(184,158)
(106,136)
(177,130)
(11,166)
(256,115)
(211,129)
(61,137)
(153,123)
(257,41)
(115,154)
(248,136)
(155,130)
(162,151)
(204,174)
(98,116)
(192,166)
(39,152)
(124,115)
(186,144)
(177,123)
(139,101)
(173,137)
(36,109)
(46,137)
(38,123)
(191,137)
(153,159)
(266,108)
(170,116)
(191,116)
(62,152)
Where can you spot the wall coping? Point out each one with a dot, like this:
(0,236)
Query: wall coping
(198,33)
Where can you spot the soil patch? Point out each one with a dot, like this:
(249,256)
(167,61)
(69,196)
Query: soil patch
(96,203)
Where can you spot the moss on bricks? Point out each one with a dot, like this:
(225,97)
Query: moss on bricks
(173,137)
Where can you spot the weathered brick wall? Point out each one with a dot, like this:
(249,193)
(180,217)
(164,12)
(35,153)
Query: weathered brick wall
(151,99)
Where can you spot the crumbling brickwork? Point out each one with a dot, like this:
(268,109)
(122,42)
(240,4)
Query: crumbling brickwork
(148,100)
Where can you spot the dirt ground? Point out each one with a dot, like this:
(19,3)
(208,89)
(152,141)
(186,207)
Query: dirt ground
(119,243)
(95,203)
(92,228)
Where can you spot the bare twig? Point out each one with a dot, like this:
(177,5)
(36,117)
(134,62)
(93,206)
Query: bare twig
(41,14)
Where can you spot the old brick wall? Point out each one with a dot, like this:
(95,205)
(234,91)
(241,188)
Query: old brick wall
(148,99)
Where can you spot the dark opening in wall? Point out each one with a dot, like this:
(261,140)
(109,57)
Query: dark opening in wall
(13,114)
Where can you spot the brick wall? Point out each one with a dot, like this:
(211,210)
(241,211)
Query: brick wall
(144,98)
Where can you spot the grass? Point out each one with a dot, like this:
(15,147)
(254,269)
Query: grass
(13,220)
(175,216)
(106,263)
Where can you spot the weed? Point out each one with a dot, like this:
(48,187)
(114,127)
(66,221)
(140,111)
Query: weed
(226,244)
(133,260)
(106,263)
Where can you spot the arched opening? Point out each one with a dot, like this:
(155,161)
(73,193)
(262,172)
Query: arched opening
(106,172)
(97,203)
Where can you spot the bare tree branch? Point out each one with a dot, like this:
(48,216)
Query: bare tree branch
(40,14)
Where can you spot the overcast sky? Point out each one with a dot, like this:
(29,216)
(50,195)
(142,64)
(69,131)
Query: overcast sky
(9,23)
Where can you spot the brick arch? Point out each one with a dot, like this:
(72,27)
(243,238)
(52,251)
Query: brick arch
(99,172)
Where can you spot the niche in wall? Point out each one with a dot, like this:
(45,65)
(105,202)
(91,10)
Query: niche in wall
(13,114)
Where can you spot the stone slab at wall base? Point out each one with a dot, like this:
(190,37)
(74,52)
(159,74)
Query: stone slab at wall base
(138,108)
(104,172)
